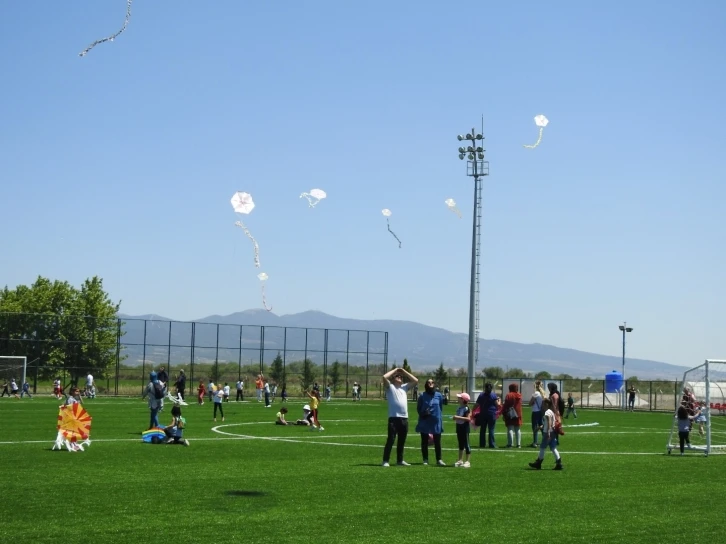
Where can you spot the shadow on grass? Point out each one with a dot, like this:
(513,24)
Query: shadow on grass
(245,493)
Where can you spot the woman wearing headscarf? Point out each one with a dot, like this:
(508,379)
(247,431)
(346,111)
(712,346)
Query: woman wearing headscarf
(430,421)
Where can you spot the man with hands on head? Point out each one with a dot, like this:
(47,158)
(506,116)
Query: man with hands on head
(397,412)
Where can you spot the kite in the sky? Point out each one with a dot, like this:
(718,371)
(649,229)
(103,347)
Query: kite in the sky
(243,203)
(113,36)
(314,196)
(451,204)
(262,276)
(387,213)
(541,121)
(74,424)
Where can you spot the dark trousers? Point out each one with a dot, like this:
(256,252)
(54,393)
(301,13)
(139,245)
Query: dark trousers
(684,439)
(240,395)
(397,427)
(267,398)
(487,431)
(221,411)
(180,391)
(425,447)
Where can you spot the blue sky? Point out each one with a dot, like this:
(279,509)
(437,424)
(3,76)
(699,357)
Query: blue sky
(122,163)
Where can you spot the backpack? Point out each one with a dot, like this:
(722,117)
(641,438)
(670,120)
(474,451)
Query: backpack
(158,391)
(560,404)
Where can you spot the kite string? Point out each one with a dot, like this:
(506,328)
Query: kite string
(249,235)
(112,37)
(541,129)
(394,234)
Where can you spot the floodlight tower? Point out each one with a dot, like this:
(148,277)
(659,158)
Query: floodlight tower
(625,329)
(477,168)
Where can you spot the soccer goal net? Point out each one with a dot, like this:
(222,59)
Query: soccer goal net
(703,395)
(13,367)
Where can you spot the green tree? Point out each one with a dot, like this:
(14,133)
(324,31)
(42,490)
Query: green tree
(543,375)
(515,373)
(493,372)
(308,374)
(277,369)
(406,366)
(441,377)
(61,326)
(335,371)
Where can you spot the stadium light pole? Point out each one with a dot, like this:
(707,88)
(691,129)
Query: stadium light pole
(477,168)
(624,328)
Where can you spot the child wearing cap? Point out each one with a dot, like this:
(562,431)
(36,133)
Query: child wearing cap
(463,413)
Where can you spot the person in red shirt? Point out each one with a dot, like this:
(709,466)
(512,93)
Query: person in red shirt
(201,390)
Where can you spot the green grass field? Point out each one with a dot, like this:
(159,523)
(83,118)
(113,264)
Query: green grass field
(247,480)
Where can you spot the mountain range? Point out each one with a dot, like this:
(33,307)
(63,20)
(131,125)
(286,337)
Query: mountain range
(425,347)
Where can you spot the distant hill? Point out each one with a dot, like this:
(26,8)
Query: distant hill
(425,347)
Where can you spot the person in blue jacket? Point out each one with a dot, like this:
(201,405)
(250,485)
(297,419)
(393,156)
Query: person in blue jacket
(488,402)
(430,421)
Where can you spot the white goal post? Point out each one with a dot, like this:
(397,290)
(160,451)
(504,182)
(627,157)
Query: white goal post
(703,395)
(24,363)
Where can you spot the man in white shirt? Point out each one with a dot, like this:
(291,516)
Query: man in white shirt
(397,397)
(89,385)
(240,390)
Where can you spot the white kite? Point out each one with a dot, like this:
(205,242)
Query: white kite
(387,213)
(314,196)
(113,36)
(541,121)
(243,203)
(262,276)
(451,204)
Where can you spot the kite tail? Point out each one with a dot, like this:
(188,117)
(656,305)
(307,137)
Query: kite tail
(112,37)
(456,211)
(249,235)
(541,129)
(312,201)
(394,234)
(264,299)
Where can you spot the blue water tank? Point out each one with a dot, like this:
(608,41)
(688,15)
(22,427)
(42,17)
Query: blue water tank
(613,381)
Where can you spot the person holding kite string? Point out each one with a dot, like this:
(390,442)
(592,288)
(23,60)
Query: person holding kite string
(154,403)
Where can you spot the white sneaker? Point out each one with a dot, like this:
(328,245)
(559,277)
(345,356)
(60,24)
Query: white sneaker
(459,464)
(467,464)
(321,428)
(404,464)
(441,463)
(186,442)
(385,465)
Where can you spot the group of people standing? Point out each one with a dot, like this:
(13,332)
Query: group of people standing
(546,419)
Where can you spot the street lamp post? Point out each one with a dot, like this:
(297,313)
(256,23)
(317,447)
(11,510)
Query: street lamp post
(624,328)
(477,167)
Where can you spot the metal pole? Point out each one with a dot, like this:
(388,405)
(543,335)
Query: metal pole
(623,373)
(472,295)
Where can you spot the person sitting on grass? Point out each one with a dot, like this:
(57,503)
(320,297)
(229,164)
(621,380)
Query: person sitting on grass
(307,418)
(281,417)
(175,431)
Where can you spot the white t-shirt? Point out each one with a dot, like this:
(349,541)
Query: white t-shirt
(89,380)
(226,390)
(549,416)
(398,400)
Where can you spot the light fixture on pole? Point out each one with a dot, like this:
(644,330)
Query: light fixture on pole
(624,328)
(476,167)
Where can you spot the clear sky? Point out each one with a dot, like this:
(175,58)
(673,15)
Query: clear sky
(122,163)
